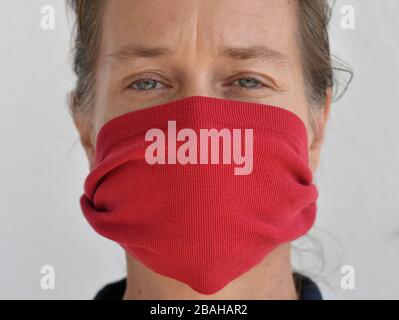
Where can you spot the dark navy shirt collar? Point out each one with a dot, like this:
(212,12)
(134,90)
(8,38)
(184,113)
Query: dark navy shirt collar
(307,289)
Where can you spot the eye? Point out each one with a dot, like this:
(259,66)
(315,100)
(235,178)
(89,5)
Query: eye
(250,83)
(145,84)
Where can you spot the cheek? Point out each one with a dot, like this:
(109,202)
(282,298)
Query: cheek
(105,108)
(305,115)
(299,103)
(99,119)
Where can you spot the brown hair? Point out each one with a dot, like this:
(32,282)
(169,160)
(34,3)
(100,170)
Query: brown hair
(85,49)
(313,39)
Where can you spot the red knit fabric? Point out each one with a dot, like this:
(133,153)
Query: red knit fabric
(201,224)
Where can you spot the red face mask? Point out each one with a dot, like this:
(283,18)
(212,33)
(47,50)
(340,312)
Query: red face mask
(158,190)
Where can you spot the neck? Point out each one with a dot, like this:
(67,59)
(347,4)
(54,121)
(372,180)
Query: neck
(270,280)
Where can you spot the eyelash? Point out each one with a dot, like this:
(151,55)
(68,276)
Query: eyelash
(261,85)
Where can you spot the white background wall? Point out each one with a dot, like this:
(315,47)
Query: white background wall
(43,165)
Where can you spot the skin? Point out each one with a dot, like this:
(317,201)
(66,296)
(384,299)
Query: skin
(197,32)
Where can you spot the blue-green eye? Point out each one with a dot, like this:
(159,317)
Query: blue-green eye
(250,83)
(145,84)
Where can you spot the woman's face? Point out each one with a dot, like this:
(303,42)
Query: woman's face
(156,51)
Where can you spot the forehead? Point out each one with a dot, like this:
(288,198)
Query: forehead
(206,24)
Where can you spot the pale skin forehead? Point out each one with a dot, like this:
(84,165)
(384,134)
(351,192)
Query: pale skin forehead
(209,37)
(205,24)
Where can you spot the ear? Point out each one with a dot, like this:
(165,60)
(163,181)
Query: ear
(319,120)
(83,123)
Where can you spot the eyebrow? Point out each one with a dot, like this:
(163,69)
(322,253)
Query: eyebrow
(237,53)
(254,52)
(134,51)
